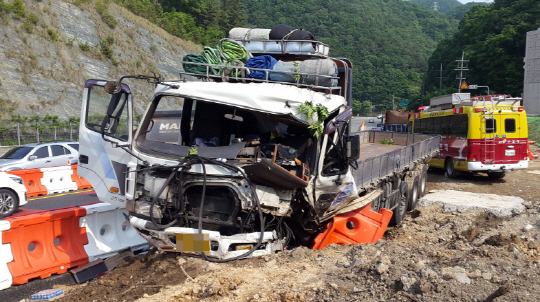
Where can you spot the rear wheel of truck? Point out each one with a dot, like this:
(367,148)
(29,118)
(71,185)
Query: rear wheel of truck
(423,182)
(414,194)
(496,174)
(401,209)
(449,170)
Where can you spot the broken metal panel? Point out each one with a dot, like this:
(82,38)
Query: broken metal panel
(268,98)
(274,201)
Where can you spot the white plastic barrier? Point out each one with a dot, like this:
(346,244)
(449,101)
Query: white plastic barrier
(109,231)
(58,179)
(5,257)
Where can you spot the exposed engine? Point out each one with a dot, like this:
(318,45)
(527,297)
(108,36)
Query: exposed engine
(233,201)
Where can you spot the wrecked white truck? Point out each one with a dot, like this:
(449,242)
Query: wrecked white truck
(254,165)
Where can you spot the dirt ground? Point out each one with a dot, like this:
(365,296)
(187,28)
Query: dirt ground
(432,256)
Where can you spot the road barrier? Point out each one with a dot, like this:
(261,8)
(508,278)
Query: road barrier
(5,257)
(45,181)
(81,182)
(358,226)
(58,179)
(109,231)
(45,243)
(32,181)
(37,245)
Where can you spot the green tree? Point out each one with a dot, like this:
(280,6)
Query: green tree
(361,107)
(389,42)
(493,39)
(18,9)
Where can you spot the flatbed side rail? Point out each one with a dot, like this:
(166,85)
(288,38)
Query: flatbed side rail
(416,148)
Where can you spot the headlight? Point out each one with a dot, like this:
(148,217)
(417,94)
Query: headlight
(17,179)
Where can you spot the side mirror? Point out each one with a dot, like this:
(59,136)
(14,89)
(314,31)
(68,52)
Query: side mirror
(114,111)
(353,147)
(32,157)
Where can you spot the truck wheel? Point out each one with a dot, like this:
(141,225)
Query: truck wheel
(401,209)
(449,170)
(414,195)
(496,174)
(9,202)
(423,182)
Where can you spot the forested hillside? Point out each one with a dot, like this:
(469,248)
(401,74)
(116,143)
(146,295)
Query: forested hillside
(460,11)
(201,21)
(493,38)
(388,41)
(444,5)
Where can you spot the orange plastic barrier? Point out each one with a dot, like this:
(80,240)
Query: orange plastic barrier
(358,226)
(81,182)
(32,181)
(46,243)
(529,153)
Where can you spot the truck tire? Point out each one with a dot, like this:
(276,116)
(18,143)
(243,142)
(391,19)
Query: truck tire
(402,202)
(496,174)
(423,182)
(414,194)
(449,170)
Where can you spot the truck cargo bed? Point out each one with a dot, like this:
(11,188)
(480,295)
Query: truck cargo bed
(378,161)
(372,149)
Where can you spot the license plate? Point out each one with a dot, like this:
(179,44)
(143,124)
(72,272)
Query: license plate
(192,243)
(510,152)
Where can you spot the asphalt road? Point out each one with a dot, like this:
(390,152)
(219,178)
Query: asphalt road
(357,121)
(62,200)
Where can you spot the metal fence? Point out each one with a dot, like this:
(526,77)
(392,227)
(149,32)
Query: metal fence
(12,136)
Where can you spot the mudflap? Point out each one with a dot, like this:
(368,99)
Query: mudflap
(359,226)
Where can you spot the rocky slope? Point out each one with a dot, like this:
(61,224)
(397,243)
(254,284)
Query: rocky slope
(44,61)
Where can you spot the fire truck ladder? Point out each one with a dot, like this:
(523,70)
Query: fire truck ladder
(488,113)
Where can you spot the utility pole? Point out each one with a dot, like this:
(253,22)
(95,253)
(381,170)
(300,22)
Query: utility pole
(462,66)
(440,77)
(422,95)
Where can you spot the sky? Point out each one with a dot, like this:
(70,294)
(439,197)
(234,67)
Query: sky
(467,1)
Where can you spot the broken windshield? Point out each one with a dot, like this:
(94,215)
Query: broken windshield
(178,125)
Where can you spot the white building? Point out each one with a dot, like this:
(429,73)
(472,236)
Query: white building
(531,89)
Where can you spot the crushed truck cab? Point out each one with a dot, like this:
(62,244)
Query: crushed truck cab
(232,167)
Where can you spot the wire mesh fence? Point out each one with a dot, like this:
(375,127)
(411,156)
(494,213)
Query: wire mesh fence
(13,135)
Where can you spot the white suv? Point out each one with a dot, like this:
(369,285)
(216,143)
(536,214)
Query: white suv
(12,194)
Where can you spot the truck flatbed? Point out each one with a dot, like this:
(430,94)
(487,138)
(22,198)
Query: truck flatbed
(378,161)
(374,149)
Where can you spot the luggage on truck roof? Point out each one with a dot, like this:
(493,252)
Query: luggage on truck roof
(280,40)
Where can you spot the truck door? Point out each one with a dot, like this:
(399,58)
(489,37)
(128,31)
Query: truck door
(510,148)
(334,185)
(105,136)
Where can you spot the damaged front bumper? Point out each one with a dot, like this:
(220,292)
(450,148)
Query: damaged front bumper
(221,247)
